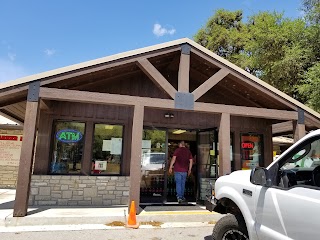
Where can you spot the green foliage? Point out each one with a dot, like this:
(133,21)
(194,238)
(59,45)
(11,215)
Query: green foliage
(276,49)
(224,34)
(278,52)
(311,87)
(311,9)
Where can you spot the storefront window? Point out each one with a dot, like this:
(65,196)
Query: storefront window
(67,147)
(107,149)
(251,150)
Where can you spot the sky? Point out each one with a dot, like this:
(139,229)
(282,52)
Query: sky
(37,35)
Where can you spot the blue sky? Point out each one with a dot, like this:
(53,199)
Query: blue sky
(38,35)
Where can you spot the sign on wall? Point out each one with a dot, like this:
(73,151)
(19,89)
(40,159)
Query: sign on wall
(251,150)
(10,149)
(69,136)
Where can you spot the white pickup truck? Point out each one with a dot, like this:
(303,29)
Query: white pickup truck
(281,201)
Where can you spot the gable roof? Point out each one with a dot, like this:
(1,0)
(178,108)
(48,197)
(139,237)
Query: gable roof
(83,65)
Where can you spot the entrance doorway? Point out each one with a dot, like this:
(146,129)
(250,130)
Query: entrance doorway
(158,145)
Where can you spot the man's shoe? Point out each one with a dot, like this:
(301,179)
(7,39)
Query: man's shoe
(184,201)
(180,200)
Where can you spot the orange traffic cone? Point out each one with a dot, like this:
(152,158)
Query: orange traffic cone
(132,220)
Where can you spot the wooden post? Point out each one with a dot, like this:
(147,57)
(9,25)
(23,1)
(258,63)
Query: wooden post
(237,150)
(224,145)
(299,128)
(136,148)
(87,156)
(184,69)
(27,150)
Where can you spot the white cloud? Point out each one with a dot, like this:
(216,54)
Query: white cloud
(12,56)
(160,31)
(49,52)
(9,70)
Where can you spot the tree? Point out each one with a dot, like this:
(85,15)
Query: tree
(311,9)
(278,51)
(225,35)
(268,45)
(311,87)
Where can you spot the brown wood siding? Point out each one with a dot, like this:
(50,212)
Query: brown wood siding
(91,113)
(41,164)
(252,125)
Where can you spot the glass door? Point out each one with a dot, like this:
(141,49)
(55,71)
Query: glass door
(153,166)
(207,142)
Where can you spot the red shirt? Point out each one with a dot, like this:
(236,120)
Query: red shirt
(183,156)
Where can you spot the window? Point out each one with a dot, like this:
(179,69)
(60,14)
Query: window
(67,148)
(251,150)
(301,166)
(107,149)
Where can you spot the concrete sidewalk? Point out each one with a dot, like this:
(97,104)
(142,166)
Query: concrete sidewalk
(51,215)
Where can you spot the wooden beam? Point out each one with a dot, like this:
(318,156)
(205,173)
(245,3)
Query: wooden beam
(243,78)
(116,99)
(283,127)
(135,163)
(224,145)
(232,92)
(10,100)
(156,77)
(246,111)
(26,160)
(207,85)
(184,69)
(45,105)
(103,98)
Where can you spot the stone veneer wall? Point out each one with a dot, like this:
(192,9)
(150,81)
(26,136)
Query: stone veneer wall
(8,176)
(205,187)
(79,190)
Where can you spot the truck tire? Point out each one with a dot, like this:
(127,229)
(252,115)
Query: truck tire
(230,227)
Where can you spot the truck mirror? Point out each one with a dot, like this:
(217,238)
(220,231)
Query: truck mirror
(260,176)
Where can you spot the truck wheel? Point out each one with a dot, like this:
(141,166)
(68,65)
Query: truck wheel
(230,227)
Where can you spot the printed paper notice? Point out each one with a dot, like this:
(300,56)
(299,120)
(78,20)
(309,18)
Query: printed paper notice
(10,148)
(146,144)
(106,145)
(100,165)
(116,146)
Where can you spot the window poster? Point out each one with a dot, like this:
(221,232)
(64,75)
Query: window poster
(116,146)
(106,145)
(100,165)
(10,148)
(146,144)
(251,150)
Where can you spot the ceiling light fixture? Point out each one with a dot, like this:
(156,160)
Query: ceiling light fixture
(179,131)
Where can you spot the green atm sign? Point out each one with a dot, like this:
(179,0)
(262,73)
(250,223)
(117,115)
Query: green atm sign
(69,136)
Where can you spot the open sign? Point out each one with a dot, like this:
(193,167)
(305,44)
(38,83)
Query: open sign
(247,145)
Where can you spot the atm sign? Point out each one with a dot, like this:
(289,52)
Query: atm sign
(69,136)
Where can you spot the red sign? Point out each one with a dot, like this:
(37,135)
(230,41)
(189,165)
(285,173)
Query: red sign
(247,145)
(9,138)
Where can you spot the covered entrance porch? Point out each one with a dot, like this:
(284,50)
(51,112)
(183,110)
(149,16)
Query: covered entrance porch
(72,111)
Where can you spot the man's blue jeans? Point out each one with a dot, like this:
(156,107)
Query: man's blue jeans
(180,178)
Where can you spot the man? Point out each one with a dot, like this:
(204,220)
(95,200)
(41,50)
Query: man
(182,161)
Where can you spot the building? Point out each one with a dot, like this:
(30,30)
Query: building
(102,132)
